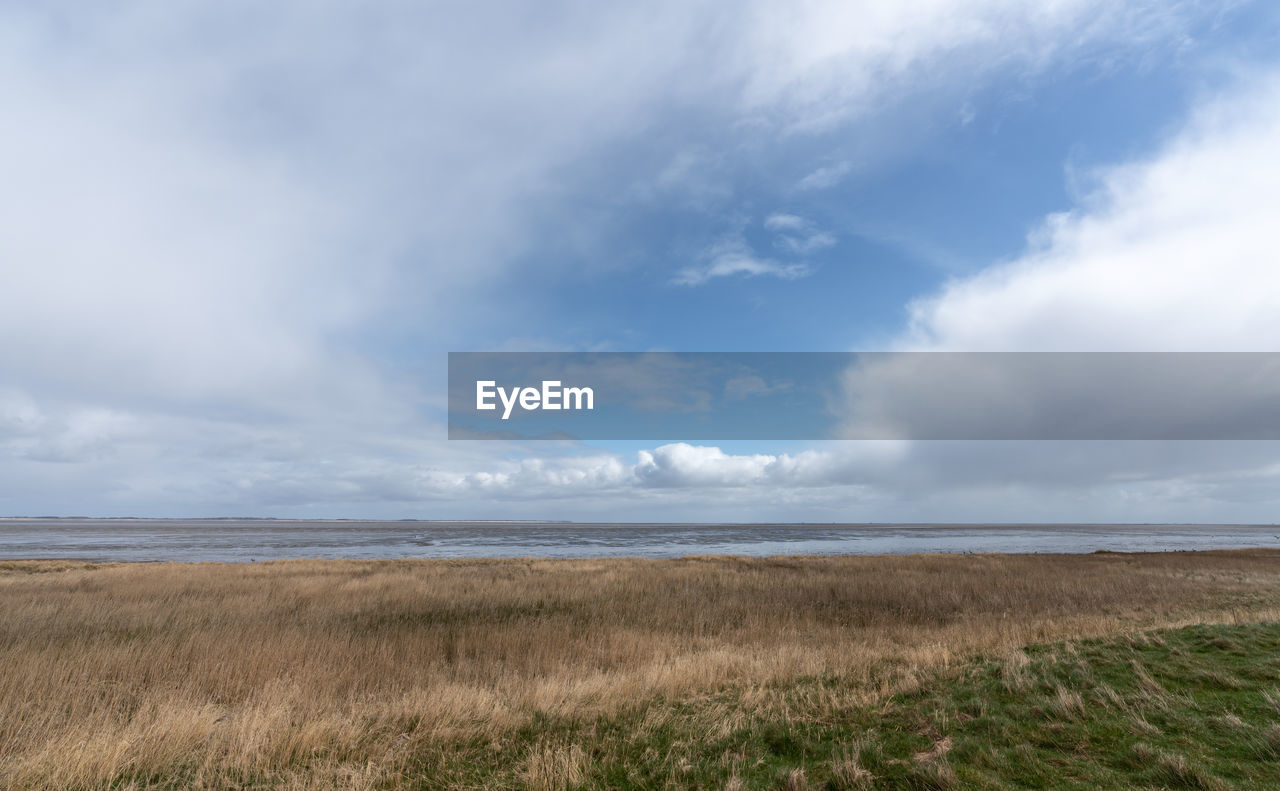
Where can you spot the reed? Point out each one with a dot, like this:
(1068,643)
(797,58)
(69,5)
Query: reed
(324,674)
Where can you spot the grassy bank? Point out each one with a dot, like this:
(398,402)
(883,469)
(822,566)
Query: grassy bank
(1190,708)
(702,672)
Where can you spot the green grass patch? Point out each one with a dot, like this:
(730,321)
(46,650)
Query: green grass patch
(1192,708)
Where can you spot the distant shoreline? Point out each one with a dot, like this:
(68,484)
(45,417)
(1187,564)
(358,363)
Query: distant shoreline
(618,523)
(11,564)
(230,540)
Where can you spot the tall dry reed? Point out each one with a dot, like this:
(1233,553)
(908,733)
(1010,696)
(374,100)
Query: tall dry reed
(335,673)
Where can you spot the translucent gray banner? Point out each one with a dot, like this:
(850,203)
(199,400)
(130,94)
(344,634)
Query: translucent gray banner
(864,395)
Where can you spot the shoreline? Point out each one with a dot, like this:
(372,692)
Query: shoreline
(271,540)
(593,559)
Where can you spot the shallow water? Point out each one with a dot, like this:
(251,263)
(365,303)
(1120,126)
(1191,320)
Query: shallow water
(269,539)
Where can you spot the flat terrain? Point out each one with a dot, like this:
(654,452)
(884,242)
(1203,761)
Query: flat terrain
(1196,707)
(716,672)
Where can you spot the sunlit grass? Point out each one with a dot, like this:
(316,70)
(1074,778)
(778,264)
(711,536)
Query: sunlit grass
(549,674)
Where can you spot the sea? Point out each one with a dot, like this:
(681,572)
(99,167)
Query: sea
(256,540)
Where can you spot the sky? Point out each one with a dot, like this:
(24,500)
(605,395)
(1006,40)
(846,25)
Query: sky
(238,240)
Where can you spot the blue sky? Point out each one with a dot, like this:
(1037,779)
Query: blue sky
(241,238)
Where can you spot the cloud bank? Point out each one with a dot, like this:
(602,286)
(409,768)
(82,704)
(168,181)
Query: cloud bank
(229,226)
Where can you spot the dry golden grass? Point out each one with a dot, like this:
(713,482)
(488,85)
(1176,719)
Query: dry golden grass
(338,674)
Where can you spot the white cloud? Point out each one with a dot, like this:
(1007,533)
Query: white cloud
(677,465)
(796,235)
(253,179)
(691,465)
(733,256)
(825,176)
(1174,252)
(893,481)
(684,465)
(821,61)
(750,386)
(782,223)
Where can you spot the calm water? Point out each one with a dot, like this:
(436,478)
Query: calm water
(244,540)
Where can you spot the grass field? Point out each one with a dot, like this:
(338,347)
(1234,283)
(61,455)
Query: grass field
(839,672)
